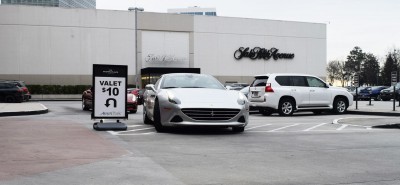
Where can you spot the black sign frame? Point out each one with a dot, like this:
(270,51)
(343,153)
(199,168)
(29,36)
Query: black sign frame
(105,70)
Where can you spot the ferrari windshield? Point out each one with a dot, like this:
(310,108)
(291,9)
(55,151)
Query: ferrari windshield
(190,81)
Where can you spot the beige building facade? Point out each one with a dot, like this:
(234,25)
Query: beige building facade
(57,46)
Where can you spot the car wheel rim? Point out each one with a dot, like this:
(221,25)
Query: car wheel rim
(341,106)
(287,108)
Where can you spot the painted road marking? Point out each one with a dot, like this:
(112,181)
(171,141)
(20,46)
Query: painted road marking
(283,127)
(311,128)
(257,126)
(136,134)
(342,127)
(136,130)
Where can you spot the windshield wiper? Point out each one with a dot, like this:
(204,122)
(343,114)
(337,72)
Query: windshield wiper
(169,87)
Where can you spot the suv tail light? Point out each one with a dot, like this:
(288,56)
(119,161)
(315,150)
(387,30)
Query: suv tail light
(268,88)
(20,90)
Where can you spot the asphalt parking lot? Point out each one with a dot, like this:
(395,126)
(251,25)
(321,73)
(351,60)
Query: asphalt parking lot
(60,147)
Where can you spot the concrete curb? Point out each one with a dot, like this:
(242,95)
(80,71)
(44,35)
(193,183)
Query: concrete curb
(24,113)
(356,112)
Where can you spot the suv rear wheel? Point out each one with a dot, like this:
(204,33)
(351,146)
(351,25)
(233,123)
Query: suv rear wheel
(286,107)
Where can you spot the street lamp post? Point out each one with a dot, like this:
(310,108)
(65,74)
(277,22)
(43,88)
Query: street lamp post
(136,9)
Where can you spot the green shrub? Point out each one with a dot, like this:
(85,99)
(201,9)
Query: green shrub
(57,89)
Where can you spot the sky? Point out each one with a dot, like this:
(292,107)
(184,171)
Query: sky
(373,25)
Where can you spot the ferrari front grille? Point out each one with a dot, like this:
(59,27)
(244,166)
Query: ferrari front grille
(205,114)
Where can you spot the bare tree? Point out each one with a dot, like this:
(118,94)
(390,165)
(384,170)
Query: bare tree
(332,70)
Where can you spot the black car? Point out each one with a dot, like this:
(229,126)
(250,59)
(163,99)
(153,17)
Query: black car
(387,94)
(22,85)
(10,93)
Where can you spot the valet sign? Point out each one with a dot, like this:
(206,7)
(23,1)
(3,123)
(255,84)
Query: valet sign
(109,97)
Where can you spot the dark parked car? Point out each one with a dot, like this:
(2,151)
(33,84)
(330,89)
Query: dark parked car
(373,92)
(87,101)
(387,94)
(11,93)
(22,85)
(353,91)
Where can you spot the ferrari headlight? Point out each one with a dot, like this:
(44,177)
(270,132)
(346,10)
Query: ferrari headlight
(172,98)
(242,99)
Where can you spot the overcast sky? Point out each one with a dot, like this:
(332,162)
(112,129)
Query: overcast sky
(374,25)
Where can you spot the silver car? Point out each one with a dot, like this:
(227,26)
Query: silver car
(182,99)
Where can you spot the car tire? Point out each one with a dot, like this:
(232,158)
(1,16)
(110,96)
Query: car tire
(286,107)
(378,98)
(238,129)
(9,99)
(265,112)
(133,111)
(146,119)
(157,118)
(340,106)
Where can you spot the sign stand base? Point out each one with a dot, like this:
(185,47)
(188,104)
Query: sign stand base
(104,126)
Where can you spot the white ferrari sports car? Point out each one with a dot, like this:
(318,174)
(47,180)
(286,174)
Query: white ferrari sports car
(185,99)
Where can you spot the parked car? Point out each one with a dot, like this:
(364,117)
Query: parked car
(387,94)
(371,92)
(87,101)
(22,85)
(287,93)
(10,93)
(131,104)
(183,99)
(138,93)
(353,92)
(237,86)
(245,91)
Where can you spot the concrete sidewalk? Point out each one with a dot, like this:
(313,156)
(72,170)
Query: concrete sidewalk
(19,109)
(377,108)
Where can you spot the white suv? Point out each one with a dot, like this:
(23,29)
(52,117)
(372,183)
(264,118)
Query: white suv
(286,93)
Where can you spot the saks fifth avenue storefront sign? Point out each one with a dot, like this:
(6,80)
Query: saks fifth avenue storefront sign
(261,53)
(152,58)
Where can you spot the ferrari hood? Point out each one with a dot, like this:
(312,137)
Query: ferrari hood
(197,96)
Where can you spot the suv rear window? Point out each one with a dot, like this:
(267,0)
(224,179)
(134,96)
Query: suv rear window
(260,81)
(283,80)
(291,81)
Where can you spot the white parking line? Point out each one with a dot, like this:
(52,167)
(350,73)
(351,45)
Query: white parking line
(135,130)
(137,134)
(283,127)
(257,126)
(129,126)
(314,127)
(342,127)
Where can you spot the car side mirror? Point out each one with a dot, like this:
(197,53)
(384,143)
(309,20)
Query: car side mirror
(150,87)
